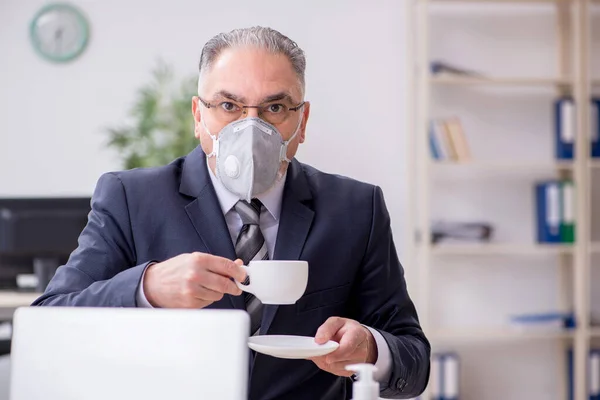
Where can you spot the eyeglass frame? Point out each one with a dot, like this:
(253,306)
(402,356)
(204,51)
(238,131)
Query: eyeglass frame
(244,107)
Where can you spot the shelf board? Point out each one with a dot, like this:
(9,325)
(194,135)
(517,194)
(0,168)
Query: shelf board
(594,247)
(594,332)
(594,164)
(498,334)
(504,166)
(471,81)
(9,299)
(492,249)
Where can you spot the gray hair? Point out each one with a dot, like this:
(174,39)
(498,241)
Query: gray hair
(260,37)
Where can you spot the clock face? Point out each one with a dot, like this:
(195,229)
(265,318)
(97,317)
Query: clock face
(59,32)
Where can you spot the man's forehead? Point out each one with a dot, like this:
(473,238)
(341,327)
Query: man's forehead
(251,74)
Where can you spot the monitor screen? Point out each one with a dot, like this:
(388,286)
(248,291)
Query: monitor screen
(41,226)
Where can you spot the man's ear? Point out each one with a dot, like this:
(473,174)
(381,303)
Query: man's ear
(305,115)
(196,108)
(197,116)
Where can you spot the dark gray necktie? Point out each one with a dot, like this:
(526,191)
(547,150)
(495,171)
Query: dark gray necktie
(250,245)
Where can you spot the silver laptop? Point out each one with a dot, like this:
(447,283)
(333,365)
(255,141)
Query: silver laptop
(118,353)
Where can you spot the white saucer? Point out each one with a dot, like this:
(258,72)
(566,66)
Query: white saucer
(291,347)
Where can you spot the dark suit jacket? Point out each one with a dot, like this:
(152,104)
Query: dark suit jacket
(340,226)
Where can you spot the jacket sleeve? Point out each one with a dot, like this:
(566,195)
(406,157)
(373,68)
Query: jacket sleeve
(383,303)
(102,271)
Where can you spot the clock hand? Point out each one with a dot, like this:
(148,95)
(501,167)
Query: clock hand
(58,38)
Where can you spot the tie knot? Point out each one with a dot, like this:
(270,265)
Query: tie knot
(249,212)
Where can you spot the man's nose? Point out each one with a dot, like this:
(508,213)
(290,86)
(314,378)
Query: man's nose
(250,112)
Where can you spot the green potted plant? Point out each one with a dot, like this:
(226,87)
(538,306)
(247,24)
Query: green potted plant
(161,126)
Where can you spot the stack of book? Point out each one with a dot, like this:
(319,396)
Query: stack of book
(565,127)
(447,140)
(555,211)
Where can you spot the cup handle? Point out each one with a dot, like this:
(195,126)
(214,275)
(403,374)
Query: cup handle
(248,287)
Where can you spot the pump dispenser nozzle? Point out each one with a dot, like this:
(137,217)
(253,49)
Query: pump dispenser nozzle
(364,388)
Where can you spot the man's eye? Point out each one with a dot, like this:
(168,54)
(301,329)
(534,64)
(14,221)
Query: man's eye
(229,106)
(276,108)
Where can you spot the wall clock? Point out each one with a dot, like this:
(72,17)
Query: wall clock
(59,32)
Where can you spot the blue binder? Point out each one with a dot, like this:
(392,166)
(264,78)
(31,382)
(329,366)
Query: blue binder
(565,127)
(570,385)
(595,128)
(594,375)
(548,211)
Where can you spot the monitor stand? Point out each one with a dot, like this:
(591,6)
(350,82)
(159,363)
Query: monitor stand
(44,269)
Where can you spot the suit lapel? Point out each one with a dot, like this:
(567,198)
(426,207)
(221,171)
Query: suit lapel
(205,212)
(294,224)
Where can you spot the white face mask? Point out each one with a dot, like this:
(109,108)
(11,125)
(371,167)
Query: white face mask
(249,154)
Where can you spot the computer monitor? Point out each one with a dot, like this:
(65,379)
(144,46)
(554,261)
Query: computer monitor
(129,353)
(37,235)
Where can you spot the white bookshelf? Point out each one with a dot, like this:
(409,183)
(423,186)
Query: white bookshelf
(573,260)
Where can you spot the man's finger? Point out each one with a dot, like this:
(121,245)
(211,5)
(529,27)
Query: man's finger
(349,343)
(226,268)
(204,293)
(329,329)
(219,283)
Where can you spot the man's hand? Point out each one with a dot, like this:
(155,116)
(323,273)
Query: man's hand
(191,281)
(357,345)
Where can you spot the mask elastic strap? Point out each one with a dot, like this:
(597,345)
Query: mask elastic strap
(215,150)
(284,146)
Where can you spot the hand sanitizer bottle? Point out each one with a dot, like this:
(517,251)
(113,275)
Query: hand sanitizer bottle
(364,387)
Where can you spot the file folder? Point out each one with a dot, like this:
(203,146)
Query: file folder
(570,383)
(548,211)
(436,377)
(567,223)
(594,378)
(451,377)
(593,375)
(595,128)
(565,127)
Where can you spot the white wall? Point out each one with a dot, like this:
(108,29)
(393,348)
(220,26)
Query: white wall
(52,116)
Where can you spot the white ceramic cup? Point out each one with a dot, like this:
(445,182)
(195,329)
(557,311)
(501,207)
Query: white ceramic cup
(276,281)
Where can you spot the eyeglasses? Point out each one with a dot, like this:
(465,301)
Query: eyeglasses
(229,111)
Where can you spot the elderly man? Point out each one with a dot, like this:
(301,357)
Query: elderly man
(176,236)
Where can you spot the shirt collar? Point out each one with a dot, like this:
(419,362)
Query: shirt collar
(271,199)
